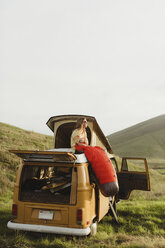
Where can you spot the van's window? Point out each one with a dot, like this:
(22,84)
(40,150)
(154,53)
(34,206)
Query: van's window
(133,164)
(46,184)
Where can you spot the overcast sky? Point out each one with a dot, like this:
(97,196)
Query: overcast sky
(103,58)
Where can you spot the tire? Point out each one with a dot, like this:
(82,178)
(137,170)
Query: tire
(93,229)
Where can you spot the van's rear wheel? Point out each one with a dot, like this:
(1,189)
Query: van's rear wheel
(93,228)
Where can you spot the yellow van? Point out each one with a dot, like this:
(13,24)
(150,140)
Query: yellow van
(55,191)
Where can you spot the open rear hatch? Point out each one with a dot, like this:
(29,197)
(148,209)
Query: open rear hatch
(47,186)
(45,155)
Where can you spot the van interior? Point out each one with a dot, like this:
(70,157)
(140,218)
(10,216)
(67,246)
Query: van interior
(46,184)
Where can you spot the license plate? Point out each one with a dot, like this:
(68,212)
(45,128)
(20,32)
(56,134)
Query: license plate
(46,215)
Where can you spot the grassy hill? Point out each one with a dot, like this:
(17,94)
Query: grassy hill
(141,218)
(146,139)
(15,138)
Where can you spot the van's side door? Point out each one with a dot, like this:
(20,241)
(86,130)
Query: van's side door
(134,175)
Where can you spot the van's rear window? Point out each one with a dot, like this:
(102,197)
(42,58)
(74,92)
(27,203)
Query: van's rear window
(46,184)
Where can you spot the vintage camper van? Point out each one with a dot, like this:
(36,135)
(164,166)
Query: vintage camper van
(55,191)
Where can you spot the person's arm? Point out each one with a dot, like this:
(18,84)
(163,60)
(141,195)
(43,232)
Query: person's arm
(76,139)
(86,139)
(83,141)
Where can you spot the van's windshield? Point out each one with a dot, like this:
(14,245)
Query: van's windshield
(46,184)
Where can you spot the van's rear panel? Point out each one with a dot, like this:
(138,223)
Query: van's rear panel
(45,193)
(34,214)
(54,195)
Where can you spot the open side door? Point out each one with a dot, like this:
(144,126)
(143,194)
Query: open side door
(134,175)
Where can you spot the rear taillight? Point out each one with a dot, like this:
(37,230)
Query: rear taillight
(14,210)
(79,216)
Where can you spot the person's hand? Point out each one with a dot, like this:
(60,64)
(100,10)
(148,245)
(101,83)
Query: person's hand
(81,141)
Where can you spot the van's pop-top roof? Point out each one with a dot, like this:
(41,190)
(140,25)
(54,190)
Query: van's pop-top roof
(73,118)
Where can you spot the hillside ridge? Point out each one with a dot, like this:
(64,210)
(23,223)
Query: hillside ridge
(143,139)
(13,138)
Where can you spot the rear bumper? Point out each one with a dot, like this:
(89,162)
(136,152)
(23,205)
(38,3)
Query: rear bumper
(49,229)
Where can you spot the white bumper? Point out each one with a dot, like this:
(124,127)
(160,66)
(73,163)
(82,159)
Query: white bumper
(49,229)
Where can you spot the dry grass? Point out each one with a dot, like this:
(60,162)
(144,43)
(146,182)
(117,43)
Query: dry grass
(15,138)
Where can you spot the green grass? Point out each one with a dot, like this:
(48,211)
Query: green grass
(141,225)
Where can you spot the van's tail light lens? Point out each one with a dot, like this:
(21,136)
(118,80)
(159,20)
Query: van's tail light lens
(79,216)
(14,210)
